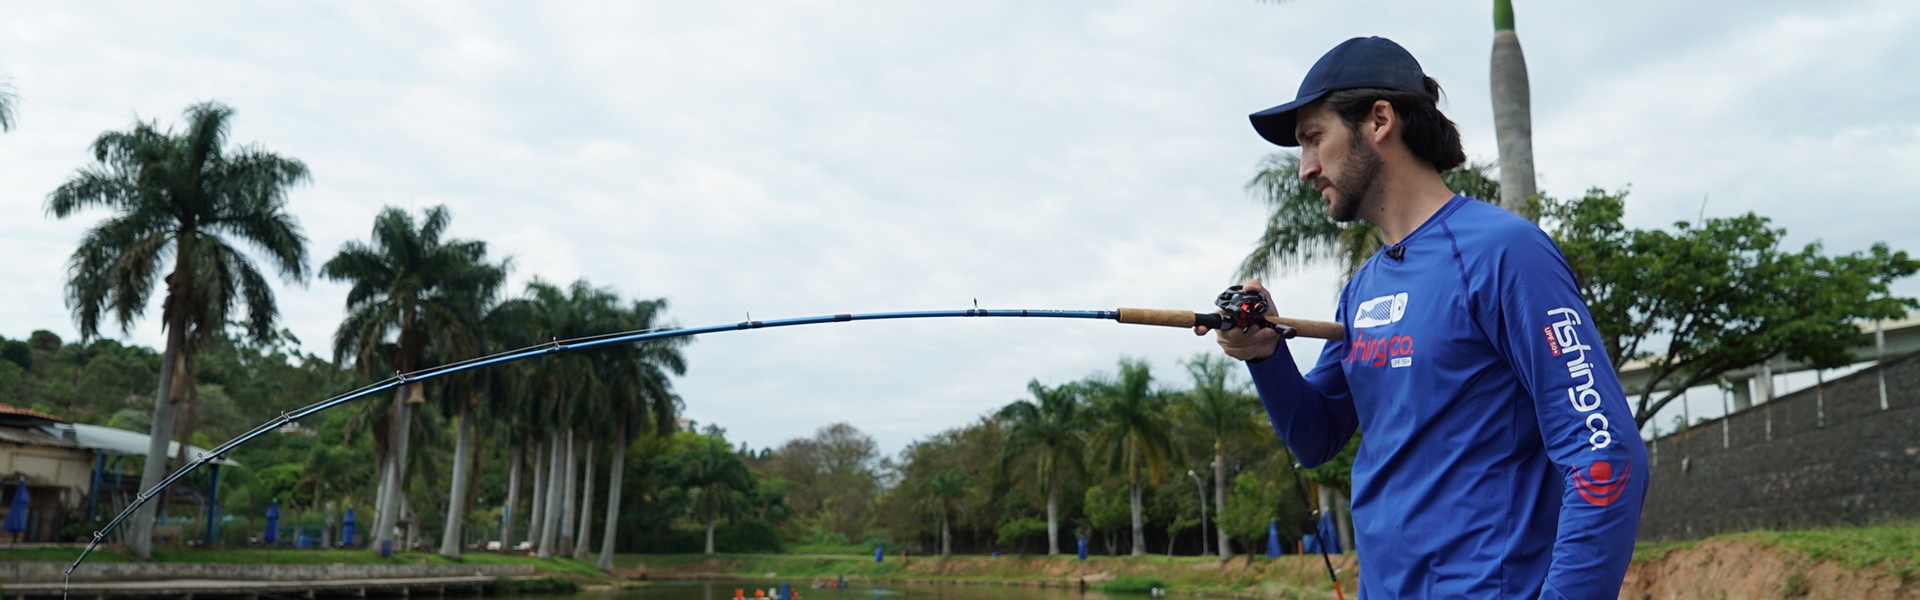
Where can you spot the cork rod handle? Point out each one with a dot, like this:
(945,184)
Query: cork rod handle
(1325,330)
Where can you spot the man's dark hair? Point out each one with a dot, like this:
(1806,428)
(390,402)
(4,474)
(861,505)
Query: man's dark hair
(1429,134)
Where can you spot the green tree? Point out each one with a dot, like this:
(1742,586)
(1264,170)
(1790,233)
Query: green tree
(188,197)
(409,289)
(1222,412)
(714,475)
(835,478)
(1300,232)
(1707,299)
(1106,512)
(1134,434)
(941,493)
(1049,429)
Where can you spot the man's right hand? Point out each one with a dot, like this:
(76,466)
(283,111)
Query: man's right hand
(1253,344)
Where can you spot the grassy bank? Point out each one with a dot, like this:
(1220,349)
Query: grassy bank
(1286,577)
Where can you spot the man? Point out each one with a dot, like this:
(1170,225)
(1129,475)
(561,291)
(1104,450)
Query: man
(1500,459)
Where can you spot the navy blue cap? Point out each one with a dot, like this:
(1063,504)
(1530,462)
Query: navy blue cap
(1368,62)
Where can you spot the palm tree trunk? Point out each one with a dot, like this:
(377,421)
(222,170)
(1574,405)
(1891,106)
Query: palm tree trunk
(457,495)
(1139,526)
(189,394)
(1343,520)
(585,538)
(946,536)
(1512,113)
(614,473)
(571,507)
(379,493)
(713,516)
(513,496)
(536,518)
(140,531)
(1220,502)
(413,523)
(397,469)
(1053,520)
(550,522)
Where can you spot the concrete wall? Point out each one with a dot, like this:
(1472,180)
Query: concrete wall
(1824,456)
(44,572)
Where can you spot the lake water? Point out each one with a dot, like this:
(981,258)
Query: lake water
(724,590)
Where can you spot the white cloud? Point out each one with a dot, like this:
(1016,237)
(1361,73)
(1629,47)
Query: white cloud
(801,158)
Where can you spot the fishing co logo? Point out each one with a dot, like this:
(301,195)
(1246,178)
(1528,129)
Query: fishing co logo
(1380,351)
(1598,485)
(1563,339)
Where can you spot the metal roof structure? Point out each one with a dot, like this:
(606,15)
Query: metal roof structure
(119,441)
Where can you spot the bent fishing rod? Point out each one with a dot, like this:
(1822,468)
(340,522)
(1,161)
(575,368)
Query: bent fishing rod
(1240,309)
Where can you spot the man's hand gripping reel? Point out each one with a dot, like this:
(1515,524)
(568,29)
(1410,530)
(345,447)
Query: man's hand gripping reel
(1245,309)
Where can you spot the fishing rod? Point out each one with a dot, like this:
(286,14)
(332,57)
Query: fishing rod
(1239,310)
(1300,485)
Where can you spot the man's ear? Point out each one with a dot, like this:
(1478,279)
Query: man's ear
(1380,122)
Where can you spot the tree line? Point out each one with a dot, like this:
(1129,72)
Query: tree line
(210,220)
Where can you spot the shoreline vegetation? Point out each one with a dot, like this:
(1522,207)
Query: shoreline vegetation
(1878,561)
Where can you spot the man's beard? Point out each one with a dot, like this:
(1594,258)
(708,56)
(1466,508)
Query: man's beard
(1360,185)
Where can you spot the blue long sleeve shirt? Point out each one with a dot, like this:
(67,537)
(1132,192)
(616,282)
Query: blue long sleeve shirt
(1500,459)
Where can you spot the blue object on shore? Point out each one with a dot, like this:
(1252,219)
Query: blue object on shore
(346,528)
(879,552)
(1083,548)
(273,523)
(1273,539)
(786,591)
(1329,536)
(17,512)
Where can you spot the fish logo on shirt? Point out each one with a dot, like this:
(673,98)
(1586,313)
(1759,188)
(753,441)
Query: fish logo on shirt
(1385,310)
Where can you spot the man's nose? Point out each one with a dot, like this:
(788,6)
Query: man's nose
(1309,167)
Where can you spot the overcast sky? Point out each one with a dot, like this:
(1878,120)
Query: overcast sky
(809,157)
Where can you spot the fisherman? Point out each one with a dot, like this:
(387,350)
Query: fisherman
(1500,459)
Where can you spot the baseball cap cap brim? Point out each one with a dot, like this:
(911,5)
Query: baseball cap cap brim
(1276,124)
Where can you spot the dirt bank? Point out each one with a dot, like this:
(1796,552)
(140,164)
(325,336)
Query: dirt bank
(1737,568)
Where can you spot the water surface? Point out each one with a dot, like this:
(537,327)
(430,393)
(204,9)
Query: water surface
(724,590)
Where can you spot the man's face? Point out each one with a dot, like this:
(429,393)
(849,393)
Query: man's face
(1336,161)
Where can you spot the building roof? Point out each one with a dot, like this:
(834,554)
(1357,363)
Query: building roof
(9,410)
(119,441)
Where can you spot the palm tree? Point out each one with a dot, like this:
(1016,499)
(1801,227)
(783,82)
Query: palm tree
(1223,413)
(567,387)
(643,393)
(466,393)
(941,492)
(1134,433)
(714,474)
(184,196)
(410,290)
(1299,231)
(1512,114)
(1049,429)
